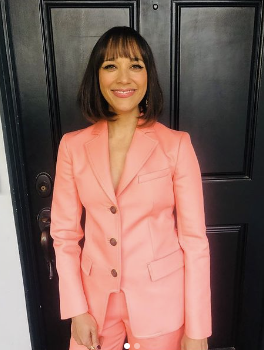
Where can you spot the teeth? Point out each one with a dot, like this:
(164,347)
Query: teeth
(124,92)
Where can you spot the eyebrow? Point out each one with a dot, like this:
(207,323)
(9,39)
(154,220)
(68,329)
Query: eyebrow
(131,59)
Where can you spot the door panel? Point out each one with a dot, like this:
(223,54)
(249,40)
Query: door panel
(216,60)
(216,84)
(71,32)
(208,57)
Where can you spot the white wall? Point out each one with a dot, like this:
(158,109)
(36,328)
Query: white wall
(14,331)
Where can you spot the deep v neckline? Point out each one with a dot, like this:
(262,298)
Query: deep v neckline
(117,161)
(142,145)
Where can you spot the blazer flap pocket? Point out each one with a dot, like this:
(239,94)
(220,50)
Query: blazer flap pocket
(86,264)
(166,265)
(153,175)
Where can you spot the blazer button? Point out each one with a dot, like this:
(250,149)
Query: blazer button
(114,273)
(113,241)
(113,209)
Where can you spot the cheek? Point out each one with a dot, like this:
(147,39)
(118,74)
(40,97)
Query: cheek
(144,82)
(104,82)
(104,87)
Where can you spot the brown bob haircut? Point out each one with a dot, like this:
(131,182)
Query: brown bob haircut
(119,41)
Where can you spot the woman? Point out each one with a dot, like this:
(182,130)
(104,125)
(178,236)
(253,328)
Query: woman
(145,264)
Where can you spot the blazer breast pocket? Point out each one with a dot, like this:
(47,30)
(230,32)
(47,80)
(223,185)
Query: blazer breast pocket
(153,175)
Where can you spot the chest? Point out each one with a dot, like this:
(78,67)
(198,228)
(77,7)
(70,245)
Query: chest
(117,156)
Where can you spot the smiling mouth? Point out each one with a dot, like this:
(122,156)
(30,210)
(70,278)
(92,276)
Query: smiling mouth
(124,93)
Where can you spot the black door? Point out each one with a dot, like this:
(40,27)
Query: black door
(209,60)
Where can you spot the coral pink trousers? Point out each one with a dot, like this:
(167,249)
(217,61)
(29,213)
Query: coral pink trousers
(117,327)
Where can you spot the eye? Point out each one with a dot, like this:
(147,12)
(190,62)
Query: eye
(137,67)
(109,67)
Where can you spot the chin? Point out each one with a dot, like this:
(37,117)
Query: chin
(125,110)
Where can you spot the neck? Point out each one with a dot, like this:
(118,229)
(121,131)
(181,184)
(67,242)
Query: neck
(122,127)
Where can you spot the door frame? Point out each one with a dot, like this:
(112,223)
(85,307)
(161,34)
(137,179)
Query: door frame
(10,118)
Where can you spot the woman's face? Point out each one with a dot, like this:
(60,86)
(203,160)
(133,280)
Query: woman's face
(123,83)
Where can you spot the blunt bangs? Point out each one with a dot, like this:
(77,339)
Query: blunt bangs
(119,42)
(120,46)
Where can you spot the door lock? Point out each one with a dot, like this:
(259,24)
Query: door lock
(44,184)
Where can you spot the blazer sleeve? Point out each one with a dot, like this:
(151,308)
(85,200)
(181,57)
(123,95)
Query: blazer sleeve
(191,227)
(66,230)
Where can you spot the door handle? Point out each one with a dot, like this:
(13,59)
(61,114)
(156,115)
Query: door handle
(45,239)
(45,242)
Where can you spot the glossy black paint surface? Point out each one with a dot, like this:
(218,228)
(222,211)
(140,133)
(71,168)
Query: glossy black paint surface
(209,59)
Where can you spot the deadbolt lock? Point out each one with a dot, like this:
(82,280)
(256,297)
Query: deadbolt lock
(44,184)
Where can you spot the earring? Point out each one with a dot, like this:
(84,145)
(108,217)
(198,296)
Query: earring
(146,103)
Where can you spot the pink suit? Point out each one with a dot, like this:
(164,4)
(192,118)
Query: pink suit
(134,241)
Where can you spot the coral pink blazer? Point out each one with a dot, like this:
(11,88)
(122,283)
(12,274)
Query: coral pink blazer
(148,239)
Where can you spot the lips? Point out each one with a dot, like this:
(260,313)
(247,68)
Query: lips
(122,93)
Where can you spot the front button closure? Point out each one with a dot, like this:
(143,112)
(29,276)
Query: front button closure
(113,209)
(114,273)
(113,241)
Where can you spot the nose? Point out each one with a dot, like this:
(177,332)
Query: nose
(123,75)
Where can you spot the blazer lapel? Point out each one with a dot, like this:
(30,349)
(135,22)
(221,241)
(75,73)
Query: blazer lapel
(98,155)
(140,149)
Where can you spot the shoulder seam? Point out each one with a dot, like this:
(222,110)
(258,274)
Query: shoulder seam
(180,142)
(66,146)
